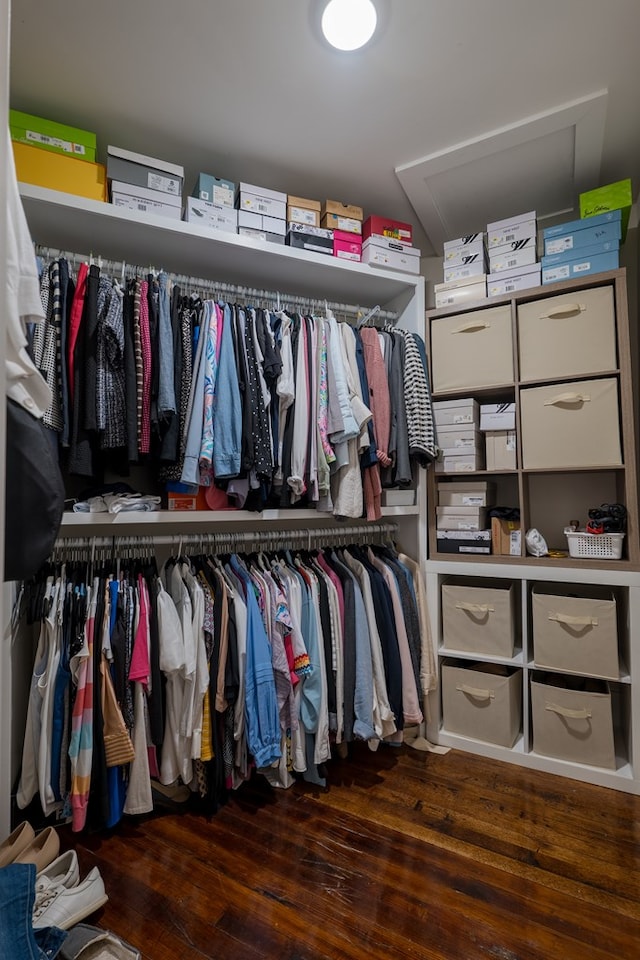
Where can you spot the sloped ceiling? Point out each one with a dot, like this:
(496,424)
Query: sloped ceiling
(247,90)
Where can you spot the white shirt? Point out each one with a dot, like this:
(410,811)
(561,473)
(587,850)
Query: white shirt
(25,384)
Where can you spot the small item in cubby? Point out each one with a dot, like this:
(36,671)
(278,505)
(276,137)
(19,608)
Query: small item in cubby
(536,544)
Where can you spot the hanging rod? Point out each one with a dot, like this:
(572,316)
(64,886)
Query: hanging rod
(122,268)
(262,539)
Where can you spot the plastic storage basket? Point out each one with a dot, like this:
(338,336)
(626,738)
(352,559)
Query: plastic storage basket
(603,546)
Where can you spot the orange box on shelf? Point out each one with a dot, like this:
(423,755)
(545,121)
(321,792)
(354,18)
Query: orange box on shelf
(58,172)
(188,501)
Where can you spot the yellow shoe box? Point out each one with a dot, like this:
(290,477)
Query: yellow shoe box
(58,172)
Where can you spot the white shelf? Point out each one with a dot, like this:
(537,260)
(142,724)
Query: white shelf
(623,677)
(536,570)
(515,661)
(66,222)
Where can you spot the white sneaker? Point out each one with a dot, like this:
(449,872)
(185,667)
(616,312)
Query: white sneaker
(64,871)
(62,907)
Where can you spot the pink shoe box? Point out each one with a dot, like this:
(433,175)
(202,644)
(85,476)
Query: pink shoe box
(347,246)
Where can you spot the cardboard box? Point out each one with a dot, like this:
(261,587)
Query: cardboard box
(506,537)
(49,135)
(574,226)
(515,228)
(386,227)
(60,172)
(265,203)
(582,267)
(464,541)
(512,258)
(583,238)
(480,620)
(500,449)
(457,438)
(573,720)
(260,234)
(466,493)
(300,210)
(311,241)
(398,498)
(348,210)
(558,423)
(211,215)
(380,252)
(465,291)
(214,190)
(498,416)
(310,231)
(460,518)
(593,250)
(462,464)
(347,246)
(133,197)
(464,410)
(471,239)
(459,255)
(482,701)
(187,501)
(125,166)
(333,221)
(501,284)
(613,196)
(259,221)
(575,629)
(463,271)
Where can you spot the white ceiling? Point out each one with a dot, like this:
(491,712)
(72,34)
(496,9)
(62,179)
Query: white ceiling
(246,89)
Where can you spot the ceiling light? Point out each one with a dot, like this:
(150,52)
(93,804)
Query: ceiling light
(349,24)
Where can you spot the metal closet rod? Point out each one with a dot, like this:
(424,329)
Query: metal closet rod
(264,538)
(280,300)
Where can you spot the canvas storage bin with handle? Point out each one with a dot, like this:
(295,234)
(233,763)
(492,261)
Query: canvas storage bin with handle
(570,335)
(571,425)
(483,701)
(573,720)
(479,619)
(575,629)
(472,350)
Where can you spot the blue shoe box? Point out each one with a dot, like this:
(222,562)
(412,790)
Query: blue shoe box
(583,238)
(573,226)
(582,253)
(582,267)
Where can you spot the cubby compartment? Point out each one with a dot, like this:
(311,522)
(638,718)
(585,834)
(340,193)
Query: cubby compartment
(481,617)
(482,700)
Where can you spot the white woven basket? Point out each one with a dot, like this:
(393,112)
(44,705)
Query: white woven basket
(602,546)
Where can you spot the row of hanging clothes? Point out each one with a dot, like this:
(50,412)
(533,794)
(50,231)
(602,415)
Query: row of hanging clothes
(267,407)
(208,667)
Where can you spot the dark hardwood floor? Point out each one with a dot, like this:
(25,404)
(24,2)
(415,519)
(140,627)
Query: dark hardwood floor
(405,856)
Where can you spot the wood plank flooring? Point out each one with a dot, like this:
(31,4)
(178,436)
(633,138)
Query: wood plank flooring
(405,856)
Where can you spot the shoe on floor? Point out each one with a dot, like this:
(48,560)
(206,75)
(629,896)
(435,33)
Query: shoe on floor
(63,872)
(90,943)
(15,843)
(42,851)
(63,907)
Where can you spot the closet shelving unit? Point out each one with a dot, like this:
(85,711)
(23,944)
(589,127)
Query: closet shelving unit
(548,498)
(67,222)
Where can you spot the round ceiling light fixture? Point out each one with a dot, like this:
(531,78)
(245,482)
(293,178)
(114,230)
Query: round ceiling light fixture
(349,24)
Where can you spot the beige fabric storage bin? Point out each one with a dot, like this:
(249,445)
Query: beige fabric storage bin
(573,721)
(483,701)
(472,350)
(571,425)
(479,620)
(570,335)
(577,633)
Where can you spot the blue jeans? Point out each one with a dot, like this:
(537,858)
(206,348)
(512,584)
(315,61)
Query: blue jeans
(18,940)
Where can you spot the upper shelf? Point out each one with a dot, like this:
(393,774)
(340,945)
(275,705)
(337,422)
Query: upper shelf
(68,222)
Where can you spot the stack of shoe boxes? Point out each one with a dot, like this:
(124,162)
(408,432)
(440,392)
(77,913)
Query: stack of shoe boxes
(511,245)
(303,226)
(498,424)
(459,437)
(145,184)
(56,156)
(211,204)
(461,523)
(464,271)
(262,213)
(389,243)
(581,247)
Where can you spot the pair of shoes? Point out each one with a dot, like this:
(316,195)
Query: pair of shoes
(61,900)
(90,943)
(15,843)
(42,850)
